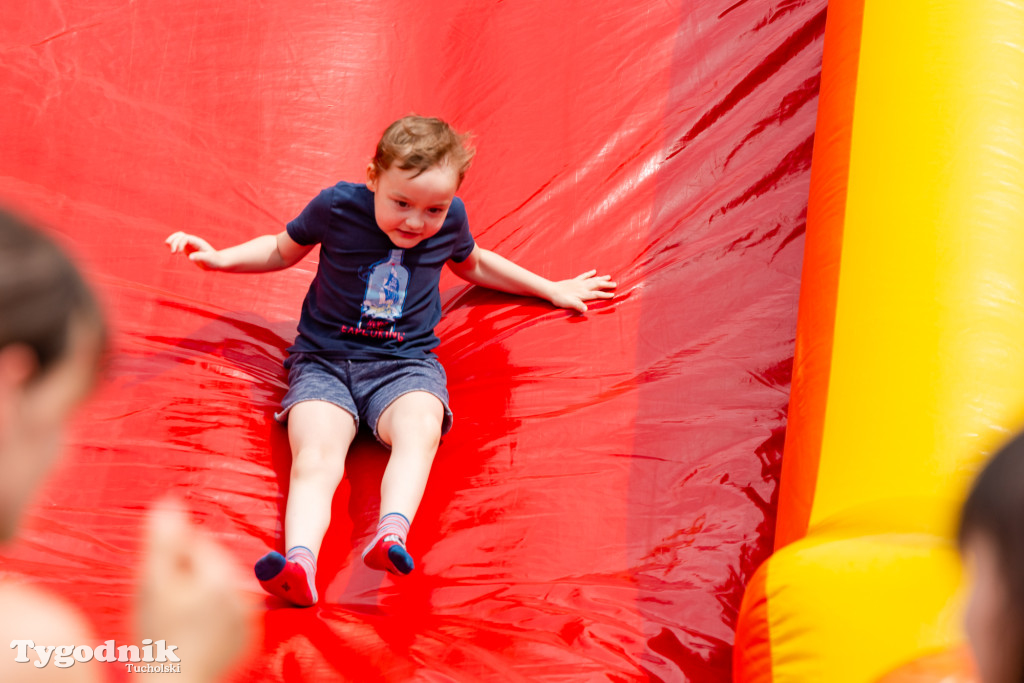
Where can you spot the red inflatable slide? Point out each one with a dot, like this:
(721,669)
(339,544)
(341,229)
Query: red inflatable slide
(610,483)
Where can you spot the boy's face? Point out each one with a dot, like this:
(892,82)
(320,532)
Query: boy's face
(411,209)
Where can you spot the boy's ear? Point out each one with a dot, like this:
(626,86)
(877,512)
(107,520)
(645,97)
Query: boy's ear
(371,177)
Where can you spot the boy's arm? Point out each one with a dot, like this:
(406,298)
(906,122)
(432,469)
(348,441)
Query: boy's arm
(487,269)
(260,255)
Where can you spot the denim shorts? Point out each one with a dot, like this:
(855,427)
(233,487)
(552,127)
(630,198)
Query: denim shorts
(362,388)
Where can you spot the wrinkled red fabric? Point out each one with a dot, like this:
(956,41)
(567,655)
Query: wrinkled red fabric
(610,482)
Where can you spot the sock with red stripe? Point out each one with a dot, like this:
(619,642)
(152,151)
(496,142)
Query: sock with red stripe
(289,577)
(387,549)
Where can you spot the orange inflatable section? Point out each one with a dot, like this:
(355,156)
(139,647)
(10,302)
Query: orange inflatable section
(819,278)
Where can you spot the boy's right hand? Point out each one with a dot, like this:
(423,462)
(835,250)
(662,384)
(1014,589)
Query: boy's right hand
(197,249)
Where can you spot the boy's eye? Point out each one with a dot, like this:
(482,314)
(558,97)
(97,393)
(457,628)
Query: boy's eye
(401,204)
(435,210)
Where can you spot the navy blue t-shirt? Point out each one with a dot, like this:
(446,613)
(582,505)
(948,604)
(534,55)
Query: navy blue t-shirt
(370,299)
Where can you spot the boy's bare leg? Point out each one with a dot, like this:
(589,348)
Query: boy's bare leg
(320,434)
(412,427)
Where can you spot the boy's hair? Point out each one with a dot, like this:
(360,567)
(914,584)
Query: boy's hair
(418,142)
(41,294)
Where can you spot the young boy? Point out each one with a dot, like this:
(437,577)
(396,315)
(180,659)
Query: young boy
(366,334)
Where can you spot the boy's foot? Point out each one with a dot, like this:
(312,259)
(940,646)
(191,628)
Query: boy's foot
(387,549)
(388,554)
(289,578)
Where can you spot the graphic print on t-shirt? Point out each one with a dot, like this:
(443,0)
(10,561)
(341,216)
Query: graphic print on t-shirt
(384,299)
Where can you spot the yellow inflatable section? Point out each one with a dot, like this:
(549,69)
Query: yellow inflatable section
(909,364)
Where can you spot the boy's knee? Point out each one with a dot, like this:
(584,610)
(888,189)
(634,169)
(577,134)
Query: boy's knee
(317,461)
(423,427)
(417,419)
(428,424)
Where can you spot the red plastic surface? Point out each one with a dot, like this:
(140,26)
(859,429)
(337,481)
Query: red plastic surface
(610,482)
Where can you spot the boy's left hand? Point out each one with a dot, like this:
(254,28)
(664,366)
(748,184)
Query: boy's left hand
(586,287)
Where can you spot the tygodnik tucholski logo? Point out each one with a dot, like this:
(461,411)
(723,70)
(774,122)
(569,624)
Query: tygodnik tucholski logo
(152,657)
